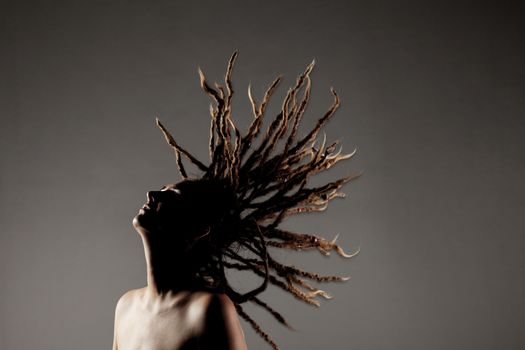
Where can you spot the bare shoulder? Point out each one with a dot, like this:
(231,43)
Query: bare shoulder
(222,327)
(214,304)
(127,299)
(221,303)
(131,295)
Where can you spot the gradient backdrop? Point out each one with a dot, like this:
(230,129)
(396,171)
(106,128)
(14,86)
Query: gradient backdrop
(432,96)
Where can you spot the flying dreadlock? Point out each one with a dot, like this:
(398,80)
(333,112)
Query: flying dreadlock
(268,188)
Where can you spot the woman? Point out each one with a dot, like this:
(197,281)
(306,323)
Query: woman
(197,229)
(175,311)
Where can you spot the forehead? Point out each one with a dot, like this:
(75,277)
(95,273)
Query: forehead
(170,187)
(196,187)
(183,185)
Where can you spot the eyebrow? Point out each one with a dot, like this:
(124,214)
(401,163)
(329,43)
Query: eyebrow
(174,189)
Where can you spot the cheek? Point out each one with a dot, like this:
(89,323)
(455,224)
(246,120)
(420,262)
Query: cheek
(171,212)
(168,220)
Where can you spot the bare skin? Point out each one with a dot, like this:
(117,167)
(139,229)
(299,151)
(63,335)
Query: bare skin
(167,314)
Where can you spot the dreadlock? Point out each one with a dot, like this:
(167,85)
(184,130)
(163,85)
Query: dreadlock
(268,188)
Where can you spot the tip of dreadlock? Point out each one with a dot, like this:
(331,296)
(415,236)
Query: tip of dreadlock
(277,80)
(345,278)
(336,154)
(231,62)
(342,253)
(358,174)
(344,156)
(352,177)
(310,67)
(201,75)
(250,90)
(157,121)
(321,293)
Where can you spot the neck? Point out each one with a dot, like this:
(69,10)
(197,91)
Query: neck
(166,273)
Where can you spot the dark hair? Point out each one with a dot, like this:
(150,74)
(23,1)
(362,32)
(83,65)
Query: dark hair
(264,189)
(213,206)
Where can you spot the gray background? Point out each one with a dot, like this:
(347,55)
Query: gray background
(432,97)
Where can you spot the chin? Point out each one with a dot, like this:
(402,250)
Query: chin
(135,221)
(138,221)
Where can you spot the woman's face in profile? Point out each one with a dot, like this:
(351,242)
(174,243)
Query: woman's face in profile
(165,210)
(182,211)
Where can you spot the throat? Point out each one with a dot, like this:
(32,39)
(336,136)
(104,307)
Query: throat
(168,271)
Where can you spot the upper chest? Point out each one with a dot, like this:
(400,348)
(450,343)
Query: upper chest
(159,328)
